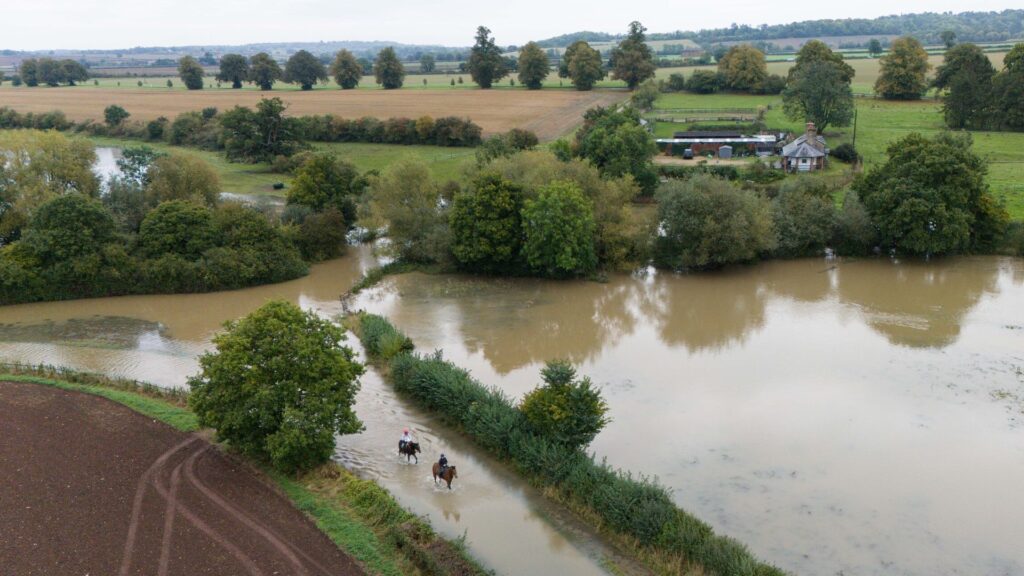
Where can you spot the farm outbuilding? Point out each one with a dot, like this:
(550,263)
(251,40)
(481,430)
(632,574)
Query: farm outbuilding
(710,142)
(807,153)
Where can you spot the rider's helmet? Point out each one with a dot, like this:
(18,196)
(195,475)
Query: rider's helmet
(442,455)
(405,431)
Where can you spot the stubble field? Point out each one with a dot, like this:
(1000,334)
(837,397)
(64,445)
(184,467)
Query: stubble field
(548,113)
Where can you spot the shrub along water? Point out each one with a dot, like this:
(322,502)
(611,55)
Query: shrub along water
(632,506)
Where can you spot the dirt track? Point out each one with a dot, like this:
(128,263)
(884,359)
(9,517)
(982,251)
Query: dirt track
(548,113)
(88,486)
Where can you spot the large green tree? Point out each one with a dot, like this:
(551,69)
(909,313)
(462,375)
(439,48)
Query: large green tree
(566,409)
(485,65)
(258,135)
(618,145)
(408,200)
(191,73)
(388,69)
(709,223)
(931,197)
(559,232)
(819,93)
(181,228)
(264,71)
(69,228)
(326,181)
(486,225)
(904,71)
(279,385)
(427,63)
(304,69)
(582,65)
(743,68)
(965,76)
(533,66)
(346,70)
(234,68)
(182,177)
(28,71)
(1008,91)
(632,61)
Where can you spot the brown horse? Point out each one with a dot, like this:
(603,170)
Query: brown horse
(448,475)
(410,450)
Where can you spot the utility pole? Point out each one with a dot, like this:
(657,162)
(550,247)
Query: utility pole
(855,127)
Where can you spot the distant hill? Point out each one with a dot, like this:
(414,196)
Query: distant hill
(968,26)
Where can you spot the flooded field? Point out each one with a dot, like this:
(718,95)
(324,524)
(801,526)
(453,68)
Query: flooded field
(851,418)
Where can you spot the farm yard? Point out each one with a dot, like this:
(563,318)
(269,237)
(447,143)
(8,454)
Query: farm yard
(549,114)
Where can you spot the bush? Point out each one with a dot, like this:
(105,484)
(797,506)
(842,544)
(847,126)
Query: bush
(845,153)
(321,235)
(676,82)
(703,82)
(565,409)
(279,386)
(180,228)
(486,227)
(181,177)
(326,181)
(155,128)
(114,115)
(804,220)
(559,232)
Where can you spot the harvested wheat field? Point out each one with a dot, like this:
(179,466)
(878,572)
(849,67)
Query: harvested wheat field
(91,487)
(548,113)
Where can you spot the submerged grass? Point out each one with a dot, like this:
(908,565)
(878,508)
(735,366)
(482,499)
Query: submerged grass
(358,515)
(636,510)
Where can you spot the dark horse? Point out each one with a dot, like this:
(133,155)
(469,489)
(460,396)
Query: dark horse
(410,450)
(448,475)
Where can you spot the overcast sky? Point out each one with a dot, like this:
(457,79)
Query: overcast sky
(44,24)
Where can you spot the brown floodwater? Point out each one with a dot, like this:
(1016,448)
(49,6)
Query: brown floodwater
(158,339)
(859,417)
(856,417)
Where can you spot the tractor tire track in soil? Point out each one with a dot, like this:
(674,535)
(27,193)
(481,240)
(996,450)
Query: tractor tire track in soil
(91,487)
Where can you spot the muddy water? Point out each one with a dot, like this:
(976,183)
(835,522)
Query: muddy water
(159,338)
(850,418)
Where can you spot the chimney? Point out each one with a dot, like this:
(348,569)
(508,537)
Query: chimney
(812,136)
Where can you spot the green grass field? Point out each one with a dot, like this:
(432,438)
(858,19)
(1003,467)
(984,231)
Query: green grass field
(879,123)
(258,179)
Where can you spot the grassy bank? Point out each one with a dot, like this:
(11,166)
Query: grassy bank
(634,511)
(362,518)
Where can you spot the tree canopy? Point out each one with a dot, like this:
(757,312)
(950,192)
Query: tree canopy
(326,181)
(617,144)
(966,77)
(559,231)
(904,71)
(259,135)
(388,69)
(234,68)
(819,93)
(346,70)
(486,227)
(486,64)
(632,60)
(533,66)
(743,68)
(279,386)
(264,71)
(191,73)
(582,65)
(304,69)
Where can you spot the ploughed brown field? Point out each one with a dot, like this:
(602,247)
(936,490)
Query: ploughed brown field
(548,113)
(91,487)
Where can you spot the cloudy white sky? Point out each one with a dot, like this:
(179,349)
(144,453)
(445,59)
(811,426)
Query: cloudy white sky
(43,24)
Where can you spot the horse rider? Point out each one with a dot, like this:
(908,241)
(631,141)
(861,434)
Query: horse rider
(405,440)
(443,462)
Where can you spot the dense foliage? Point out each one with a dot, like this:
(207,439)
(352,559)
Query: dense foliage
(818,87)
(615,142)
(533,66)
(259,135)
(632,61)
(264,71)
(966,76)
(743,69)
(931,197)
(486,225)
(388,69)
(346,70)
(904,71)
(486,64)
(304,69)
(234,68)
(558,232)
(565,408)
(325,181)
(36,71)
(191,73)
(708,223)
(582,65)
(279,386)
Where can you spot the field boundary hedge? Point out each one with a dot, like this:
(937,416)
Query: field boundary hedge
(633,507)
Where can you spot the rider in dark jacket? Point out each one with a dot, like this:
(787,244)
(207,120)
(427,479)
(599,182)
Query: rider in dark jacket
(443,462)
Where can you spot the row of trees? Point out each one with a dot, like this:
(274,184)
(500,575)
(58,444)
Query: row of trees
(977,97)
(36,71)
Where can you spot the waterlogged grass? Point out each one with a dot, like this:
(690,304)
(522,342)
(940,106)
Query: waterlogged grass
(361,517)
(445,163)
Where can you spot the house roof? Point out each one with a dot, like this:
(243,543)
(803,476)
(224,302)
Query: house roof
(801,148)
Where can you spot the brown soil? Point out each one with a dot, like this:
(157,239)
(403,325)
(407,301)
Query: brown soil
(548,113)
(91,487)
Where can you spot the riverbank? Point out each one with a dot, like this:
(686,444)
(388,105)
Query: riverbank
(634,510)
(359,516)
